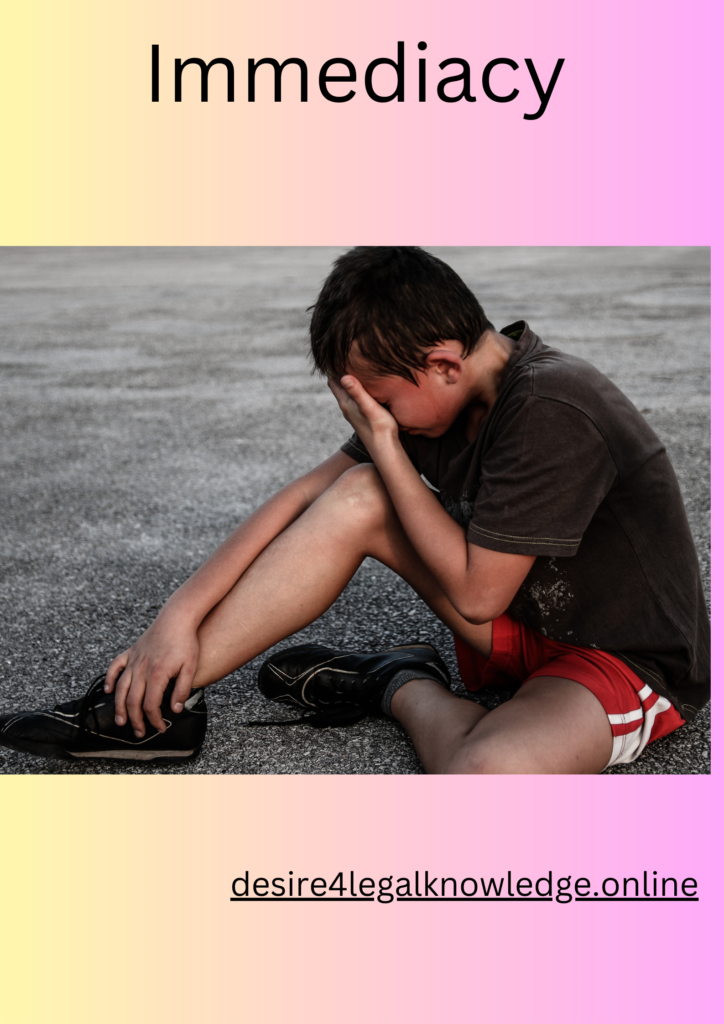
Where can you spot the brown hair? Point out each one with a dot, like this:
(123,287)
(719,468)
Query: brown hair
(395,302)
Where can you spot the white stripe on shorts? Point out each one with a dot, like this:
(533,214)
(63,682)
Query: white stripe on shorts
(630,745)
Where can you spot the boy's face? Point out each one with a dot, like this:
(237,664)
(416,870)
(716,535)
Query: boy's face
(430,408)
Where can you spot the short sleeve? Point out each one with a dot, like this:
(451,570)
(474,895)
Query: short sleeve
(541,481)
(356,450)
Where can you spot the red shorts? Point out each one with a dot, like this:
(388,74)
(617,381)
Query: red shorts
(637,714)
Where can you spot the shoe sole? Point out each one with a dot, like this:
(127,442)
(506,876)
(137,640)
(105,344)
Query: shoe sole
(167,756)
(56,753)
(411,647)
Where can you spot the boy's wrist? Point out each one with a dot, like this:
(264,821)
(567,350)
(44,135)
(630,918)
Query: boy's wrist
(180,612)
(383,442)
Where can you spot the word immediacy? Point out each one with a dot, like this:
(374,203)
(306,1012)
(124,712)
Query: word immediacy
(338,74)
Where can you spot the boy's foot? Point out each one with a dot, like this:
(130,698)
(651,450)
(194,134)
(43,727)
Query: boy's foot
(340,688)
(86,728)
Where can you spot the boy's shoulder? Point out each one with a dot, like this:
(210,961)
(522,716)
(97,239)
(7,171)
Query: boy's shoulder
(539,373)
(551,407)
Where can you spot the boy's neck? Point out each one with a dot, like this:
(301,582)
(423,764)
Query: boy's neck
(486,365)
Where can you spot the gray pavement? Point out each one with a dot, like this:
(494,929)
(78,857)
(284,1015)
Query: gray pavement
(151,398)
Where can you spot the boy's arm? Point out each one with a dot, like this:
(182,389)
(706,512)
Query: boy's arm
(478,582)
(169,647)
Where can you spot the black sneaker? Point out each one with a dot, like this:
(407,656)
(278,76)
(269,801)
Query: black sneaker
(86,728)
(341,688)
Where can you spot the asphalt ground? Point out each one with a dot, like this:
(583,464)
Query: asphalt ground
(151,398)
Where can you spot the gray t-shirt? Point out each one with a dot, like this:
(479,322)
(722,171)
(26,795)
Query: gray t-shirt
(564,467)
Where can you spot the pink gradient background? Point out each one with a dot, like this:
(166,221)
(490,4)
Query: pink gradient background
(127,882)
(116,889)
(624,154)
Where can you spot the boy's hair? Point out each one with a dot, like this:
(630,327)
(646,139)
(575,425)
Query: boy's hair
(395,302)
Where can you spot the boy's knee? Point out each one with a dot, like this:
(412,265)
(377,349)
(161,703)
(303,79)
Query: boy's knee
(486,758)
(361,490)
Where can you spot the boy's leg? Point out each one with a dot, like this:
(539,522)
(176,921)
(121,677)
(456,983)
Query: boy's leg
(302,572)
(551,726)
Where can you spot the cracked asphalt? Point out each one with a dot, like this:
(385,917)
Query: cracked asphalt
(152,397)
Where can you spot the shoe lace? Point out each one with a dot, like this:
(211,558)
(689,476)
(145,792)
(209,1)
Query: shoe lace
(88,703)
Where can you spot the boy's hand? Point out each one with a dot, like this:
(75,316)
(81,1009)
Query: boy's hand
(371,421)
(141,674)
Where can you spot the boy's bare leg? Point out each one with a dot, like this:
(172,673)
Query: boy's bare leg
(551,726)
(302,572)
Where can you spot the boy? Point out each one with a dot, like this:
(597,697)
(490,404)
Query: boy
(556,549)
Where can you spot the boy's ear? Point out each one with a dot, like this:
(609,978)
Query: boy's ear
(446,362)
